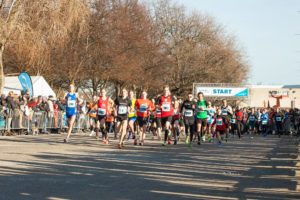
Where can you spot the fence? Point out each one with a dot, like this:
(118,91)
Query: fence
(42,121)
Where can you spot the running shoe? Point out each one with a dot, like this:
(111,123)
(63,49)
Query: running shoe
(123,145)
(129,136)
(106,142)
(199,143)
(169,141)
(220,144)
(92,133)
(187,140)
(226,139)
(191,145)
(251,137)
(203,139)
(133,136)
(175,142)
(66,140)
(265,134)
(103,139)
(142,143)
(135,142)
(164,144)
(119,146)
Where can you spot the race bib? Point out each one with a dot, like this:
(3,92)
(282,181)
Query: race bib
(224,112)
(208,118)
(158,111)
(166,107)
(219,122)
(232,121)
(200,109)
(239,117)
(122,110)
(71,103)
(188,113)
(278,119)
(93,112)
(252,118)
(101,111)
(264,122)
(143,108)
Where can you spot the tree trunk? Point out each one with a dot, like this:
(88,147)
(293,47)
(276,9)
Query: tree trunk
(1,70)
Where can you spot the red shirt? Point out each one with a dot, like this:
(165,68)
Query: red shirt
(239,115)
(166,106)
(143,107)
(103,106)
(221,123)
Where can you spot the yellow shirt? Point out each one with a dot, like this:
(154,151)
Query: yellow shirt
(133,113)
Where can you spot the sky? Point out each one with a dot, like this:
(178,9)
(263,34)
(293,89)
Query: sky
(267,30)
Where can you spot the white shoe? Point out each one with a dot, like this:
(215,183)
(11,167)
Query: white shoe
(92,133)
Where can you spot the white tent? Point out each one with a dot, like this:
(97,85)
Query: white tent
(40,86)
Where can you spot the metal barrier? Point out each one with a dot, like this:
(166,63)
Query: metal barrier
(41,121)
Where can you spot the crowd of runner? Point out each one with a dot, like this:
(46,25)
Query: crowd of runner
(192,120)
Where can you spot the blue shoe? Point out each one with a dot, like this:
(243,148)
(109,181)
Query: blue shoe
(265,134)
(129,136)
(220,144)
(175,142)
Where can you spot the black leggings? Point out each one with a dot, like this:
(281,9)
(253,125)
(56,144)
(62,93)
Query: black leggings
(191,128)
(239,126)
(279,127)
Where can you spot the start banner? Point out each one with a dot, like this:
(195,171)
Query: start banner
(222,91)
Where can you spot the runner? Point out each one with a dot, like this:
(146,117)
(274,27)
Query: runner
(264,122)
(251,121)
(220,125)
(175,122)
(93,115)
(233,123)
(278,117)
(165,104)
(71,100)
(158,121)
(201,117)
(122,106)
(239,123)
(103,112)
(143,107)
(226,112)
(188,109)
(132,115)
(210,118)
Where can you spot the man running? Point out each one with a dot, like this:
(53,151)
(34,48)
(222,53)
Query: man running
(103,111)
(220,125)
(201,117)
(93,115)
(123,105)
(71,103)
(132,115)
(251,121)
(188,109)
(143,107)
(165,104)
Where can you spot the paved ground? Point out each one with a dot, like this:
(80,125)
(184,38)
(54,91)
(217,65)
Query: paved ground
(42,167)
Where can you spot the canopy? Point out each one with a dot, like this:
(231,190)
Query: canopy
(40,86)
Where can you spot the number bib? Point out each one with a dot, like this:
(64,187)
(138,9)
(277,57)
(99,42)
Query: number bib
(101,111)
(188,113)
(264,122)
(166,107)
(278,119)
(208,118)
(232,121)
(143,108)
(158,111)
(252,118)
(71,103)
(93,112)
(219,122)
(122,110)
(224,112)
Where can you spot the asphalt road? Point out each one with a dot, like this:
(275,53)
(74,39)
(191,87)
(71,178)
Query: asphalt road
(43,167)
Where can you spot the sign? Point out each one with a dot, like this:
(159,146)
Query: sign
(278,93)
(222,92)
(26,83)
